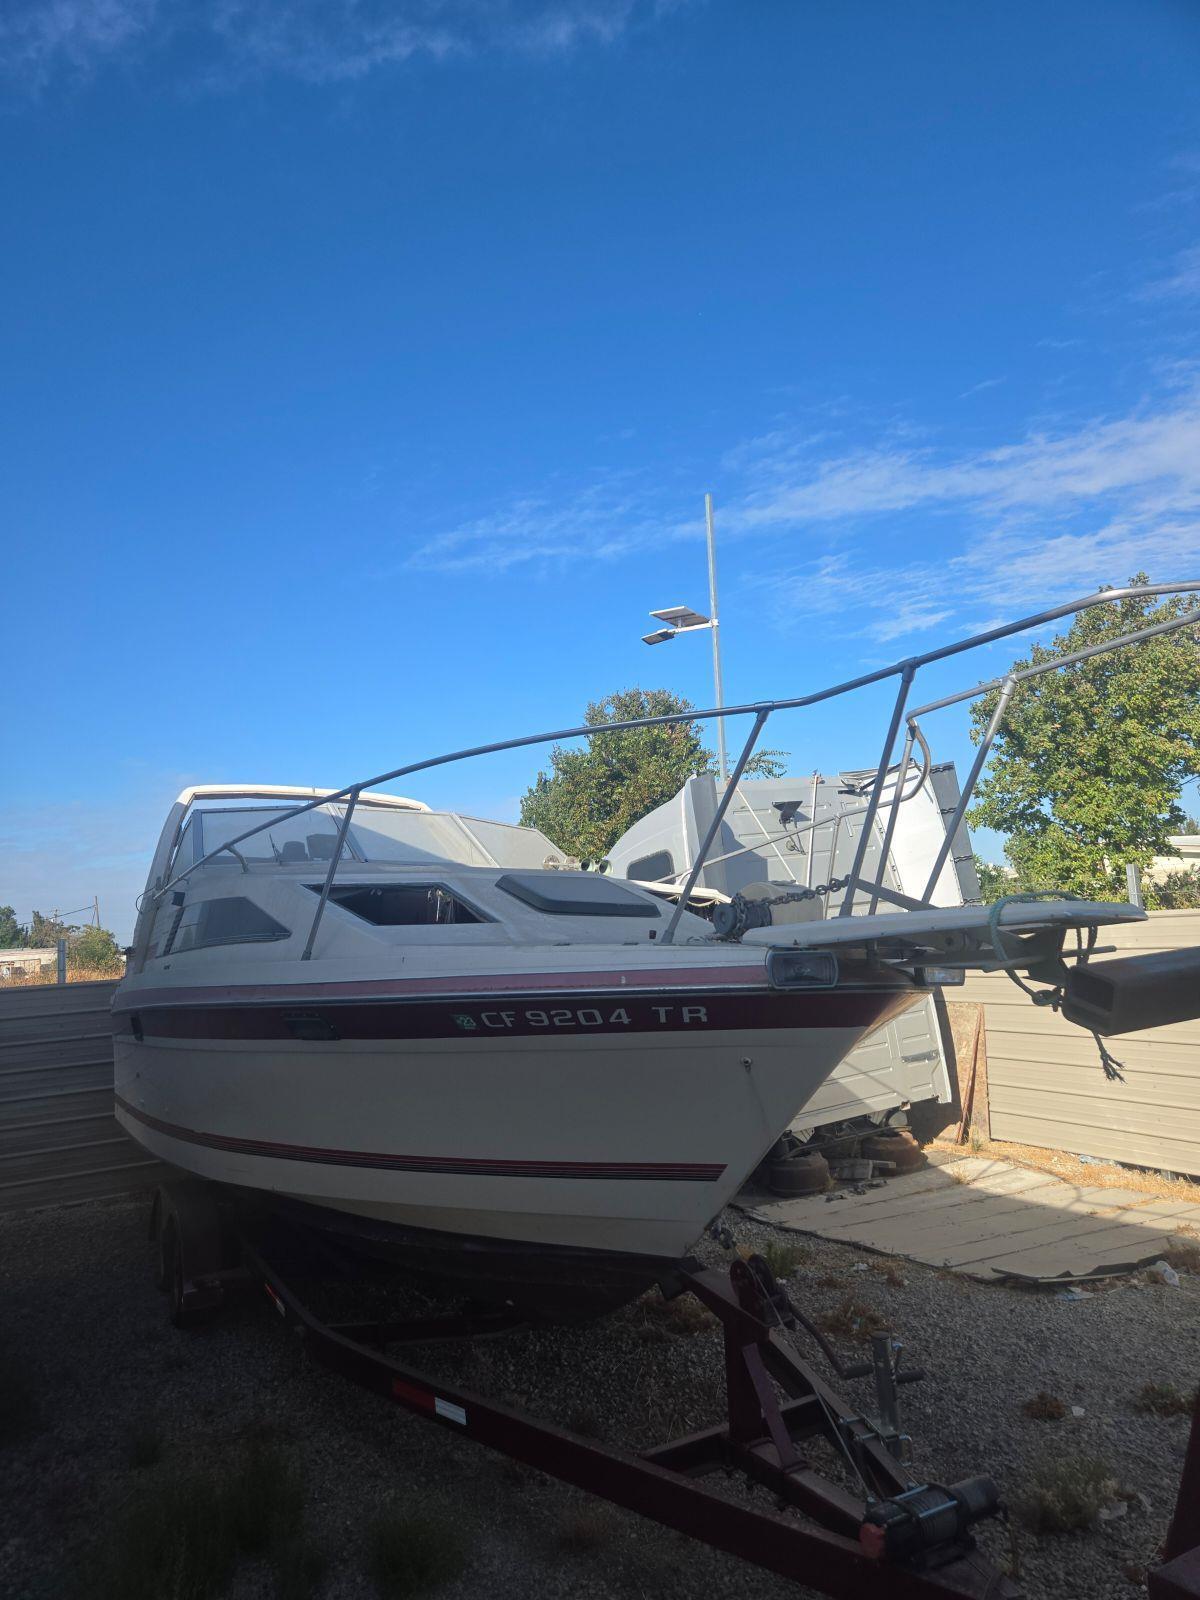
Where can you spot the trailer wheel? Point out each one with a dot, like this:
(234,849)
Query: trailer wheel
(171,1270)
(162,1276)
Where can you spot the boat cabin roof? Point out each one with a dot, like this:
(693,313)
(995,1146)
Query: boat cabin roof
(384,830)
(284,791)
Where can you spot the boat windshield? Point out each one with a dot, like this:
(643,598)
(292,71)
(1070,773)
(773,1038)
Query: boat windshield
(384,833)
(310,837)
(377,833)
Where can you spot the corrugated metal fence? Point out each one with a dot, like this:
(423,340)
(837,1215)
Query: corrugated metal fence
(1044,1081)
(58,1138)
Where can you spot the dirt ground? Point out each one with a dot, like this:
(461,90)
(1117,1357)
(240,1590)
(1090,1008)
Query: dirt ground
(120,1404)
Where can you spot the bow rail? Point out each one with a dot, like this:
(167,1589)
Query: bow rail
(905,670)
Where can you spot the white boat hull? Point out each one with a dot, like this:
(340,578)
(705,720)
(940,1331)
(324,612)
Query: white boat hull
(622,1134)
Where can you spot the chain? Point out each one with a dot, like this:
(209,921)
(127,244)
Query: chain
(794,895)
(732,920)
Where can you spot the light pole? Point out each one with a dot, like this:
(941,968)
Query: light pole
(682,619)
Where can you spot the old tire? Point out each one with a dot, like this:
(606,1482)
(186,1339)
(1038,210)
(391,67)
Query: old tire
(799,1175)
(900,1148)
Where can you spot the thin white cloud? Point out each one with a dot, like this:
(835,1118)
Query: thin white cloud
(317,41)
(1044,517)
(41,38)
(600,522)
(978,388)
(1181,282)
(1007,570)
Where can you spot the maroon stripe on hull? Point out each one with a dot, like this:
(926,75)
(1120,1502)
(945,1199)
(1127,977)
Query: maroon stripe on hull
(656,1171)
(525,1016)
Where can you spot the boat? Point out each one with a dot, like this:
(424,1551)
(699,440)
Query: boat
(488,1067)
(431,1039)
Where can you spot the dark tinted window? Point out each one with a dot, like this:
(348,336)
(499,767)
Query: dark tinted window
(565,895)
(401,905)
(651,868)
(232,921)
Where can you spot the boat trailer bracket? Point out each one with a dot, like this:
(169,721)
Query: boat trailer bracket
(900,1538)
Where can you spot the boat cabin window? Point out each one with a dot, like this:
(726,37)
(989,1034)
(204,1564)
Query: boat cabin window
(228,921)
(402,905)
(186,852)
(165,918)
(565,895)
(651,868)
(312,836)
(380,833)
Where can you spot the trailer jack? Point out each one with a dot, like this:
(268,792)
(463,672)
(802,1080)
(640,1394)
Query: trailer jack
(888,1535)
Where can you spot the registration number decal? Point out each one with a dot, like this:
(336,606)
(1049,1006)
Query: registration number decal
(577,1017)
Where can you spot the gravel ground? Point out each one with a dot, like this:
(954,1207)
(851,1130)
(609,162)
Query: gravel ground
(85,1329)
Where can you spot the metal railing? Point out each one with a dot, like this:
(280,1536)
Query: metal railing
(906,670)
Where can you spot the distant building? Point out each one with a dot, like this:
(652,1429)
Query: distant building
(14,961)
(1185,854)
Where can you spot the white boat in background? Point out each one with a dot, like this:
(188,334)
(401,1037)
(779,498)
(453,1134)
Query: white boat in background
(418,1033)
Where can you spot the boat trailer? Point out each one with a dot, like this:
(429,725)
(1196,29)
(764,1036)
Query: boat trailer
(894,1536)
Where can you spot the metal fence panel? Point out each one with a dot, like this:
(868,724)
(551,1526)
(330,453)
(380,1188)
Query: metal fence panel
(1045,1085)
(59,1140)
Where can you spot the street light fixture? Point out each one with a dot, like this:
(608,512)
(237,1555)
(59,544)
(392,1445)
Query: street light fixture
(682,619)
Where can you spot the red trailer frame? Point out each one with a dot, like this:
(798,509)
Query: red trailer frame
(901,1538)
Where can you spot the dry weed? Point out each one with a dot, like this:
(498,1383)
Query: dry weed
(1045,1407)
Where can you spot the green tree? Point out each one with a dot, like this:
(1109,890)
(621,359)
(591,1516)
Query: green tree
(1087,771)
(12,934)
(45,931)
(95,947)
(592,795)
(1191,827)
(994,881)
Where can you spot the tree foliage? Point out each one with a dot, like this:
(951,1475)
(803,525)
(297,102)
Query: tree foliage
(1174,891)
(592,795)
(45,931)
(994,881)
(1086,774)
(94,947)
(88,946)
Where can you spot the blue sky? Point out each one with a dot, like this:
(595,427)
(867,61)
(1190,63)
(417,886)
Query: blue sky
(365,365)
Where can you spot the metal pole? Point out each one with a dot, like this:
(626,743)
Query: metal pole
(722,761)
(1133,885)
(964,800)
(893,815)
(333,866)
(907,673)
(714,826)
(60,975)
(812,843)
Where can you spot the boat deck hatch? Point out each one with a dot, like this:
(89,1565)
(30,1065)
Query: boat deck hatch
(585,896)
